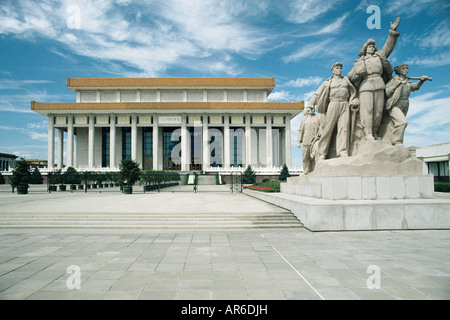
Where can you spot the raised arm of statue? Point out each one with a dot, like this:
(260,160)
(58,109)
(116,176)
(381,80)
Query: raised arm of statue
(391,40)
(416,86)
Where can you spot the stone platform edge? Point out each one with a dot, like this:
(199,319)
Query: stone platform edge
(361,187)
(363,215)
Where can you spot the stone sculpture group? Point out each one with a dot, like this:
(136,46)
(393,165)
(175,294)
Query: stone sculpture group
(359,112)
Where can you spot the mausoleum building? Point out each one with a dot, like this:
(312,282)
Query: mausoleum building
(169,124)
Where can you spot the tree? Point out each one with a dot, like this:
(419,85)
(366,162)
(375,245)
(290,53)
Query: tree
(36,177)
(284,173)
(21,174)
(129,172)
(249,176)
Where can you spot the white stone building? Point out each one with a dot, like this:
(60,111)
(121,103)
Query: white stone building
(7,161)
(436,159)
(169,124)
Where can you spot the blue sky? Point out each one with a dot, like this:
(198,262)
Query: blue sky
(44,42)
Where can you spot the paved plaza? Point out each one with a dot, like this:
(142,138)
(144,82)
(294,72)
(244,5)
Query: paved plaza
(236,264)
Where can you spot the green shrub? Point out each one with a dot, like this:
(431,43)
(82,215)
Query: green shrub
(442,186)
(21,174)
(129,173)
(249,176)
(36,177)
(284,173)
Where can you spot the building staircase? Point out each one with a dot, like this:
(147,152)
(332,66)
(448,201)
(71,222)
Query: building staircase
(163,221)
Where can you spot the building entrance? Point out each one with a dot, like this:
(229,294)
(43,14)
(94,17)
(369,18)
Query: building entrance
(196,148)
(147,148)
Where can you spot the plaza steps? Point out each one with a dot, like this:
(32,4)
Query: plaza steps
(166,221)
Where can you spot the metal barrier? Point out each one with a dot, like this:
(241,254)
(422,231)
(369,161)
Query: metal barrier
(236,182)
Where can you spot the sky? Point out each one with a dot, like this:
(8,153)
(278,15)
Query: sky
(42,43)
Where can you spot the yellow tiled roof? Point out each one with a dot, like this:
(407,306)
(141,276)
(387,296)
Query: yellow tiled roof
(74,83)
(62,106)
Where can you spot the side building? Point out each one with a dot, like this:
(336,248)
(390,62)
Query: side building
(169,124)
(436,160)
(7,161)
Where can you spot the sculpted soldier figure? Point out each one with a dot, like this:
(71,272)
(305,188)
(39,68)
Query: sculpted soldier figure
(307,132)
(369,74)
(398,90)
(332,98)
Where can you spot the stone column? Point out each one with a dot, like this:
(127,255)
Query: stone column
(112,141)
(51,143)
(75,153)
(269,142)
(91,143)
(287,139)
(70,142)
(248,141)
(226,142)
(155,136)
(184,144)
(60,148)
(134,137)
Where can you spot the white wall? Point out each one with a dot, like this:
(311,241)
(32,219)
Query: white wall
(173,95)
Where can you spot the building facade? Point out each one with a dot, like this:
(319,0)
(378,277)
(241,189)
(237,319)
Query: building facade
(7,161)
(436,160)
(169,124)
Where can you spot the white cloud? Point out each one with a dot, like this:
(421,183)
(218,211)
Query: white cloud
(213,25)
(310,50)
(10,84)
(302,11)
(333,27)
(411,8)
(431,61)
(304,82)
(428,121)
(280,96)
(33,133)
(438,37)
(166,33)
(124,2)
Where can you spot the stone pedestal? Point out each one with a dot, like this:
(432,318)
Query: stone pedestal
(391,195)
(361,187)
(352,215)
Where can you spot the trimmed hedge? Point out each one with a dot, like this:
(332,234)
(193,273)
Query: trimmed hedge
(442,186)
